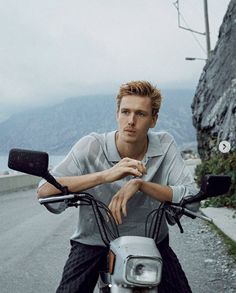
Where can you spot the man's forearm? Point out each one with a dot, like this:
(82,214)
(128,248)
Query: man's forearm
(74,183)
(78,183)
(157,191)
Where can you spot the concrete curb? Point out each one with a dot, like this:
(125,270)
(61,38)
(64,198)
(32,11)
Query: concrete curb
(11,183)
(223,219)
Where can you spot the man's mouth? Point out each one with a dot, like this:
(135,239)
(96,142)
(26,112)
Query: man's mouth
(132,131)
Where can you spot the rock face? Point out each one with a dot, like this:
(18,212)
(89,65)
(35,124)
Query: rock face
(214,104)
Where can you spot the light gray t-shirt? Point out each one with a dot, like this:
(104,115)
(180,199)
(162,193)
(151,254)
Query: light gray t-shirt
(97,152)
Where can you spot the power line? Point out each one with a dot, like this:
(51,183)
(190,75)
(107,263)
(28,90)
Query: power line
(193,32)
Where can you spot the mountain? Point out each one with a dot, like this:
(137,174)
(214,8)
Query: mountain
(56,128)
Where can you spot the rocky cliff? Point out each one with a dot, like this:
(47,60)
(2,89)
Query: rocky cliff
(214,104)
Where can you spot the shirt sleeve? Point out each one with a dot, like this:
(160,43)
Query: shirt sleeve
(180,178)
(70,166)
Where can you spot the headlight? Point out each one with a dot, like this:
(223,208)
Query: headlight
(146,271)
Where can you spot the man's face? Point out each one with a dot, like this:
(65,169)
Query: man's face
(134,118)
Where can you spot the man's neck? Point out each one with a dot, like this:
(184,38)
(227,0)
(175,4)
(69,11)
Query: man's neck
(135,151)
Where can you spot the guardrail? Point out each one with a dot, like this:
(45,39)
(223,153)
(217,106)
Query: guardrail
(15,182)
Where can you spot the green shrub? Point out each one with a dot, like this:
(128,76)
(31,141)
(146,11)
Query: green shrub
(220,164)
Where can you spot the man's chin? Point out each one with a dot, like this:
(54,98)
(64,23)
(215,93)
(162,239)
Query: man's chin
(129,137)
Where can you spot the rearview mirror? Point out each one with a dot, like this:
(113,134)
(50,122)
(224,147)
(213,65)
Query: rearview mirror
(214,185)
(28,161)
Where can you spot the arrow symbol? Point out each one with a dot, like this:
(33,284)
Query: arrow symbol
(224,146)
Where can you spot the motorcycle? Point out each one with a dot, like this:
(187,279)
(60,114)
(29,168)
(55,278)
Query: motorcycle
(134,262)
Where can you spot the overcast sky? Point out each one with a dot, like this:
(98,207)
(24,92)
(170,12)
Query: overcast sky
(53,49)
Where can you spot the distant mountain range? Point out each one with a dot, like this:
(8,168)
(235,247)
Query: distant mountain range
(56,128)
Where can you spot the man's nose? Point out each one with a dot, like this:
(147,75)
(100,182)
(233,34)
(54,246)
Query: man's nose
(131,119)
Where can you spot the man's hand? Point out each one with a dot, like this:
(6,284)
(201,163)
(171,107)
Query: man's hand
(125,167)
(120,199)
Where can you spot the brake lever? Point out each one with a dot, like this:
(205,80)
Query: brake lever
(179,224)
(175,212)
(196,215)
(193,215)
(184,211)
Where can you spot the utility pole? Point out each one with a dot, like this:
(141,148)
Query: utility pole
(208,43)
(207,29)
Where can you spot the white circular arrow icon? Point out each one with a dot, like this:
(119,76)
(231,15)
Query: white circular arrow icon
(224,146)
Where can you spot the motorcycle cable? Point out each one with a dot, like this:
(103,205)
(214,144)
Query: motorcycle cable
(101,222)
(147,231)
(158,221)
(100,225)
(153,231)
(111,220)
(111,231)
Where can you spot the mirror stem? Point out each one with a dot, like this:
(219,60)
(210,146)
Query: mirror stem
(191,199)
(52,180)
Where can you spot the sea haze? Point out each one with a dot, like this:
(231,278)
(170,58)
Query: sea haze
(56,128)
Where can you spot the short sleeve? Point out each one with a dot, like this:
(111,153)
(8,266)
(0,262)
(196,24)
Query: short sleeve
(71,165)
(180,178)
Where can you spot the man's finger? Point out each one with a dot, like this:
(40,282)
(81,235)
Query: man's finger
(123,207)
(137,165)
(113,208)
(118,210)
(134,171)
(141,167)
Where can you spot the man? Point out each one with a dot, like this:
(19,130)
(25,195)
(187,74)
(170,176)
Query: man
(132,171)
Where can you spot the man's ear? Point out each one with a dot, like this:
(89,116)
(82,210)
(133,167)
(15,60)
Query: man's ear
(154,120)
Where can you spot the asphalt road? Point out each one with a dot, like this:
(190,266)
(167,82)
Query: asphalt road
(34,245)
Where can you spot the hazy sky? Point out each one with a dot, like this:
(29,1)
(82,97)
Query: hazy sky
(53,49)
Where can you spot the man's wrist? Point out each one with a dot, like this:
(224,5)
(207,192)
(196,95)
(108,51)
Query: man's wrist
(103,177)
(138,182)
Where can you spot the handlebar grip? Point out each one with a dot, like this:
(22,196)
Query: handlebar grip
(58,198)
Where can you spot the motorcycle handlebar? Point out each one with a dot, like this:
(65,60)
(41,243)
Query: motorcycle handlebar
(57,198)
(36,163)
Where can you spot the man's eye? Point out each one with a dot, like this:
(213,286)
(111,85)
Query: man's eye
(125,112)
(141,114)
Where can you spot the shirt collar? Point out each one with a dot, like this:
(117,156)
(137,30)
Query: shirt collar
(154,147)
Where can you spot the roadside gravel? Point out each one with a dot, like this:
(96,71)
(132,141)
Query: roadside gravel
(204,257)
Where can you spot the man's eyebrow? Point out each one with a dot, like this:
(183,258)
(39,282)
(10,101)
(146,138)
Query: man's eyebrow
(137,110)
(140,110)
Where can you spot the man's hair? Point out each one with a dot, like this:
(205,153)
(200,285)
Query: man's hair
(143,89)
